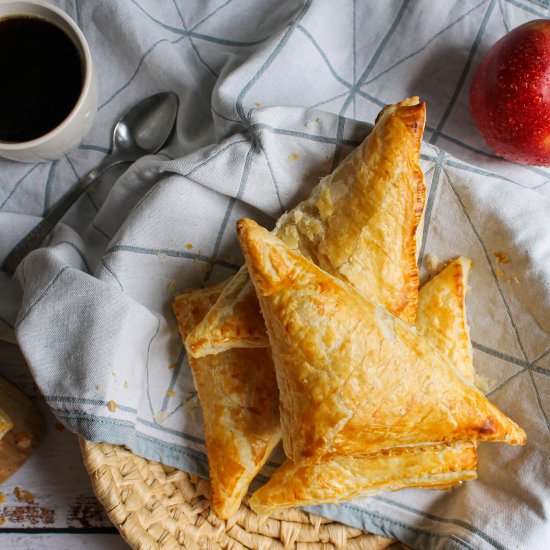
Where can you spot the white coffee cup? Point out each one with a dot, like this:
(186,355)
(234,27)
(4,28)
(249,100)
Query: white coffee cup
(70,132)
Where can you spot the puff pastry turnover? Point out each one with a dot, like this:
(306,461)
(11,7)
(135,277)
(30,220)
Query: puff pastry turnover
(440,467)
(240,404)
(441,318)
(353,378)
(441,315)
(359,224)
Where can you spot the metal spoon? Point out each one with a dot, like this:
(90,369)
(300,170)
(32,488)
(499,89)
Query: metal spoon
(142,130)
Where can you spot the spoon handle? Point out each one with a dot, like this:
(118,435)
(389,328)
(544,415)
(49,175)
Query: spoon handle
(34,238)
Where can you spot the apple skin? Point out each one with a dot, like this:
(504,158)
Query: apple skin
(510,95)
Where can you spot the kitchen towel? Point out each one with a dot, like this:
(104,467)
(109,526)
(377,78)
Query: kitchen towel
(272,95)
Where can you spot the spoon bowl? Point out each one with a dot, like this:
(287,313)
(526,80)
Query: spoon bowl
(144,129)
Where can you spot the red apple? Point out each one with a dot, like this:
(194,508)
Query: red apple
(510,95)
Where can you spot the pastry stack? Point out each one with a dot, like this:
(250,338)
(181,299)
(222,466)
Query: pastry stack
(324,339)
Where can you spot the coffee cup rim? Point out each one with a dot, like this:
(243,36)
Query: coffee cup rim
(84,51)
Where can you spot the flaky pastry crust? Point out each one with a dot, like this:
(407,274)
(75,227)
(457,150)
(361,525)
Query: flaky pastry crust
(441,319)
(239,398)
(359,224)
(443,299)
(441,466)
(353,378)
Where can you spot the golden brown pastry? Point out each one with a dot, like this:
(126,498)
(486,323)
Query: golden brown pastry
(441,318)
(353,378)
(6,424)
(234,321)
(440,467)
(359,225)
(441,315)
(239,398)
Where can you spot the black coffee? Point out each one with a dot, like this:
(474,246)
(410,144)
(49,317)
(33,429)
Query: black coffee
(40,77)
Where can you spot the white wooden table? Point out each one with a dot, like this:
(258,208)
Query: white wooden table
(65,514)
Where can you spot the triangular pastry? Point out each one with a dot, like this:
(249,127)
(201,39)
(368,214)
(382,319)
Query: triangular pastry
(441,318)
(353,378)
(432,467)
(441,315)
(240,404)
(359,224)
(234,321)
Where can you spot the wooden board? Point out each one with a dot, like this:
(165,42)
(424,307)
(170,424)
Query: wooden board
(64,513)
(26,432)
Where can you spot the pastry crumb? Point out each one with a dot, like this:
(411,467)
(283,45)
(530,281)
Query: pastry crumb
(5,423)
(2,498)
(97,387)
(293,156)
(125,385)
(159,417)
(309,125)
(514,280)
(189,246)
(318,120)
(170,393)
(482,383)
(499,273)
(2,520)
(112,406)
(431,262)
(171,286)
(23,440)
(501,258)
(172,366)
(257,103)
(161,256)
(22,495)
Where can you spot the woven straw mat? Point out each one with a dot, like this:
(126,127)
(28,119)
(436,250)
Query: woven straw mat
(157,507)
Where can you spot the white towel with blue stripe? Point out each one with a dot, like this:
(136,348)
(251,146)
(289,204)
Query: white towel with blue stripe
(271,94)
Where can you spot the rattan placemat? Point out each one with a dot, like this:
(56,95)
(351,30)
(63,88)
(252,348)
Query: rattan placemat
(154,506)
